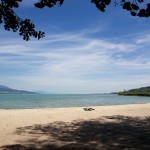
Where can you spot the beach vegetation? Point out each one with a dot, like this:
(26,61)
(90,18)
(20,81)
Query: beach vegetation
(144,91)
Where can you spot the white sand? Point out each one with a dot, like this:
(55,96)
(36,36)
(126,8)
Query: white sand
(10,120)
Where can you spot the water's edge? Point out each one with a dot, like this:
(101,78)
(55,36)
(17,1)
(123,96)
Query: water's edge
(37,101)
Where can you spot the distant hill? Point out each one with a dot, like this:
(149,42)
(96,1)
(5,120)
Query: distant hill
(8,90)
(4,87)
(143,91)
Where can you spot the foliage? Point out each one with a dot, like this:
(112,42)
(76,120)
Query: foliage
(144,91)
(133,6)
(13,22)
(26,28)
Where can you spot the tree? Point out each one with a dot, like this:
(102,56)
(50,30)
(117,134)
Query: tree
(26,28)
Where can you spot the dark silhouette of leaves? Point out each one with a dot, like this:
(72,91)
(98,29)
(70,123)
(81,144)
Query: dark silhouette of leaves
(134,6)
(127,6)
(133,13)
(13,22)
(48,3)
(26,28)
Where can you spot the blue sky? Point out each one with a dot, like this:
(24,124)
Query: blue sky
(84,51)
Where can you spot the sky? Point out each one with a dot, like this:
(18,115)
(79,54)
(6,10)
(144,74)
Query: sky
(84,50)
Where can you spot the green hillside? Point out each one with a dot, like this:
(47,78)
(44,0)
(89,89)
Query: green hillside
(143,91)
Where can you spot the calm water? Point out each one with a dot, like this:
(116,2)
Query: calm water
(26,101)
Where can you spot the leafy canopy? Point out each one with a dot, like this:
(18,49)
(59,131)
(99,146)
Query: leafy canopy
(26,28)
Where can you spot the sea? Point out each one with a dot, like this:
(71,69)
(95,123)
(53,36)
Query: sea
(31,101)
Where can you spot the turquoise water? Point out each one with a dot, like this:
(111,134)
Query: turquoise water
(28,101)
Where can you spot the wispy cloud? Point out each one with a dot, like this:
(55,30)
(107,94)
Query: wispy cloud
(143,39)
(75,61)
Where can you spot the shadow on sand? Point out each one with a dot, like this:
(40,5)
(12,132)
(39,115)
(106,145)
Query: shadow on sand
(119,132)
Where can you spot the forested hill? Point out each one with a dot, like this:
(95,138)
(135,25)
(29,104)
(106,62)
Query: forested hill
(143,91)
(8,90)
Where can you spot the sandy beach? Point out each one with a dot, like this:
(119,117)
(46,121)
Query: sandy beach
(105,127)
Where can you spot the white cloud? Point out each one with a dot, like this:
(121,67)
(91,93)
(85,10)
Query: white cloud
(143,39)
(74,62)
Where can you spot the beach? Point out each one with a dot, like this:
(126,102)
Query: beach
(74,128)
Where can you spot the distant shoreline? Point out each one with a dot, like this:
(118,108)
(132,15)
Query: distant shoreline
(143,91)
(135,94)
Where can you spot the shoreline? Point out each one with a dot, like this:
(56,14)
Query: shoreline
(13,120)
(73,107)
